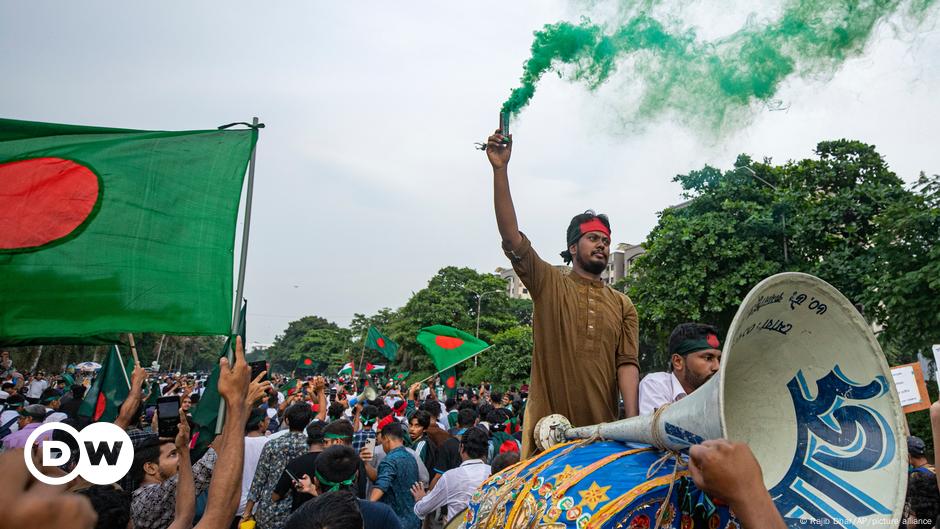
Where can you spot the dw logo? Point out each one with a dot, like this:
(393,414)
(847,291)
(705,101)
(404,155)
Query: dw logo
(105,453)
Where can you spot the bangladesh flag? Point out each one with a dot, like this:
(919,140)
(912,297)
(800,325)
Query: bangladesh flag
(448,346)
(347,369)
(106,231)
(370,368)
(108,391)
(381,343)
(449,377)
(402,376)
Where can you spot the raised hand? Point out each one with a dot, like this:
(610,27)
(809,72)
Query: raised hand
(233,380)
(499,151)
(257,389)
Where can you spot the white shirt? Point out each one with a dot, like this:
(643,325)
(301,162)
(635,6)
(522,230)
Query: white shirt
(454,489)
(36,388)
(5,418)
(253,446)
(657,389)
(54,416)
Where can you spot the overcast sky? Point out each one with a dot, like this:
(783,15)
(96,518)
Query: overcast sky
(367,181)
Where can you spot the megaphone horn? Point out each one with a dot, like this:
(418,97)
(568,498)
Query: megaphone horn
(804,382)
(368,393)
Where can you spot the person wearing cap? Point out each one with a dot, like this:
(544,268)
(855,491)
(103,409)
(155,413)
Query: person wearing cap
(916,450)
(30,418)
(586,333)
(51,400)
(695,357)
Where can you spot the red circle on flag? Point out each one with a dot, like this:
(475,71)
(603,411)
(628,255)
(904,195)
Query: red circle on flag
(448,342)
(380,342)
(100,404)
(43,200)
(308,361)
(451,382)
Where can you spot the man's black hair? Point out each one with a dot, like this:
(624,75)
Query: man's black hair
(496,398)
(333,510)
(336,464)
(423,418)
(433,407)
(78,391)
(298,416)
(394,429)
(450,403)
(923,498)
(466,417)
(315,433)
(340,427)
(112,505)
(574,230)
(475,443)
(689,331)
(15,400)
(464,404)
(255,418)
(506,459)
(369,412)
(384,411)
(335,411)
(147,452)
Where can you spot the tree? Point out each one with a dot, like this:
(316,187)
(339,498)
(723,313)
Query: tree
(295,342)
(705,255)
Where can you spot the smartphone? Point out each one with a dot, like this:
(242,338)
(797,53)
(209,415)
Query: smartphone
(332,393)
(370,445)
(293,477)
(168,415)
(257,368)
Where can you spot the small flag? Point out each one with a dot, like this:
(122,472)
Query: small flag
(402,376)
(347,369)
(449,377)
(370,368)
(108,391)
(448,346)
(381,343)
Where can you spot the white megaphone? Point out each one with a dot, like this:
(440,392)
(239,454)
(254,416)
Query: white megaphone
(368,393)
(804,382)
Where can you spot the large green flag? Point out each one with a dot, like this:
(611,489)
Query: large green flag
(108,391)
(381,343)
(106,231)
(448,346)
(449,378)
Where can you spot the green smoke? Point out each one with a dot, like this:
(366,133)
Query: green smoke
(708,82)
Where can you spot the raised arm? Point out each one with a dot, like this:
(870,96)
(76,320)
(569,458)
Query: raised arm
(134,397)
(224,491)
(185,485)
(498,154)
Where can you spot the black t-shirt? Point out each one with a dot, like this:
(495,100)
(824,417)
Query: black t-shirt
(305,464)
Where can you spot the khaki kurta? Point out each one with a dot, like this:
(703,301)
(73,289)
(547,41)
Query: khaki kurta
(583,330)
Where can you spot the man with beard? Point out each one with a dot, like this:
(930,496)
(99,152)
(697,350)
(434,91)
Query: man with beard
(696,356)
(585,332)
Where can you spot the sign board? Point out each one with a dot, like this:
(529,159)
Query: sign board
(912,391)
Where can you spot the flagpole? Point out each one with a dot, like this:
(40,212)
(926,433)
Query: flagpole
(130,338)
(123,367)
(363,354)
(239,289)
(453,365)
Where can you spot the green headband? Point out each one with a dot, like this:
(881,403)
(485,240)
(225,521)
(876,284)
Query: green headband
(701,344)
(335,436)
(334,486)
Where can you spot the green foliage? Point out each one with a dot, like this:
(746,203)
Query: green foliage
(849,220)
(510,359)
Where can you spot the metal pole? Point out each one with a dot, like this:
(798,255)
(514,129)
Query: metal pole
(479,300)
(239,289)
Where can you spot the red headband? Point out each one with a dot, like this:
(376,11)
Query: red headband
(594,225)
